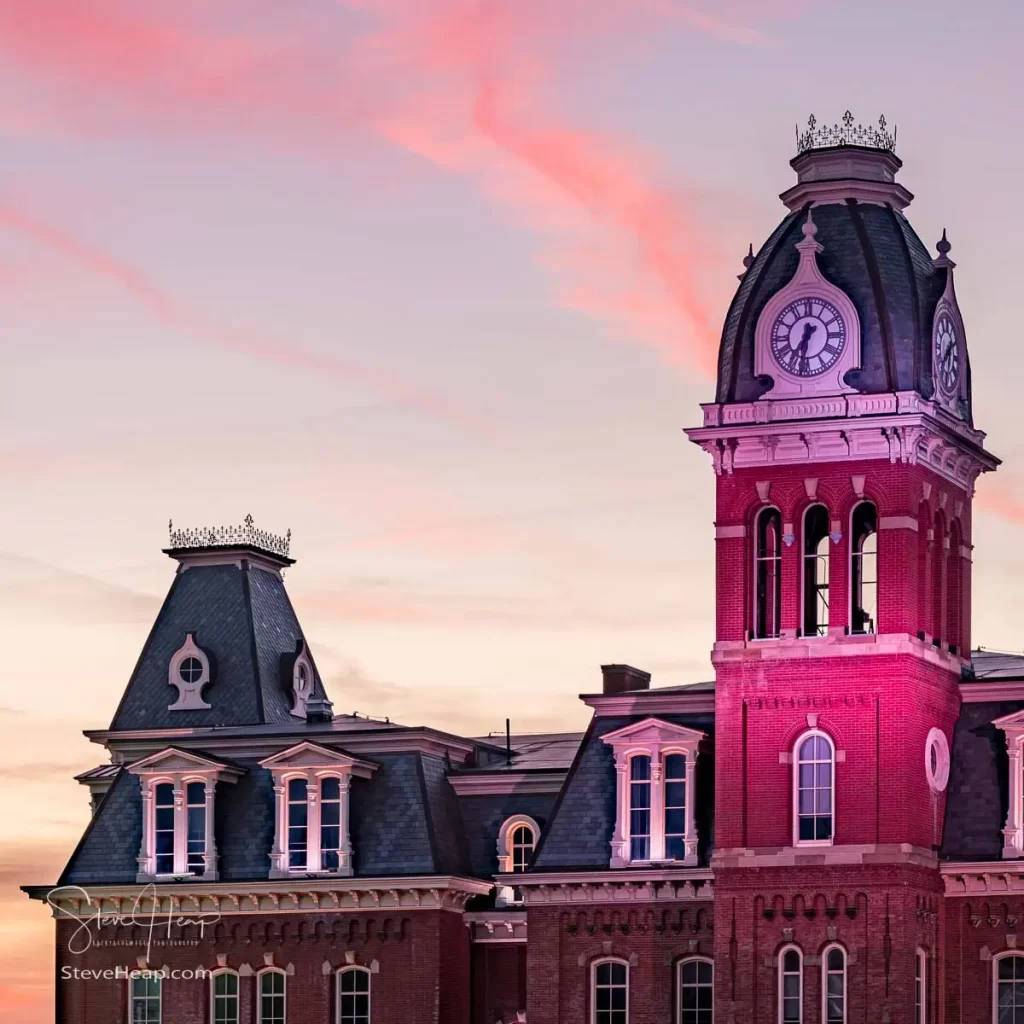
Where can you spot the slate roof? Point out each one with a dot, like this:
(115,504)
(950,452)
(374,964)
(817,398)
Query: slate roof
(873,254)
(534,751)
(990,665)
(242,619)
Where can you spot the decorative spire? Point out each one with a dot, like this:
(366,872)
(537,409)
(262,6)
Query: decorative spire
(943,247)
(809,247)
(748,262)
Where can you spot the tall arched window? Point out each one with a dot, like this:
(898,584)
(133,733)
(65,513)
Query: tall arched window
(195,817)
(791,986)
(864,569)
(271,1008)
(298,824)
(610,992)
(939,559)
(923,570)
(224,998)
(833,985)
(816,541)
(675,806)
(639,807)
(813,789)
(521,844)
(330,822)
(164,827)
(954,590)
(1008,989)
(696,991)
(353,996)
(768,574)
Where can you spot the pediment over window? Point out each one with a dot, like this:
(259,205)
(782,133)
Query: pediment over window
(654,731)
(173,761)
(315,757)
(1010,723)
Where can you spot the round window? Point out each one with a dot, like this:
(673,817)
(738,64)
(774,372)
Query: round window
(190,670)
(936,760)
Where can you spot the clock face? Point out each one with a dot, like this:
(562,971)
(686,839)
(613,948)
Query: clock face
(808,336)
(947,354)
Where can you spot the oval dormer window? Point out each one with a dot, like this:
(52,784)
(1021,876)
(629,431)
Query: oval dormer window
(189,673)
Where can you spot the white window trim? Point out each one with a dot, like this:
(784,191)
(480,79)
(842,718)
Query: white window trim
(260,975)
(825,972)
(178,768)
(506,894)
(921,966)
(593,983)
(214,975)
(190,695)
(995,979)
(350,969)
(779,976)
(159,998)
(797,841)
(312,762)
(1012,727)
(656,739)
(679,983)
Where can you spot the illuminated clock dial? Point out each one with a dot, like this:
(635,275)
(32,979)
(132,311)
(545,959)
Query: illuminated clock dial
(808,336)
(947,354)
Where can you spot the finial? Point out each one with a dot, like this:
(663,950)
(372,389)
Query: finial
(810,229)
(748,260)
(943,245)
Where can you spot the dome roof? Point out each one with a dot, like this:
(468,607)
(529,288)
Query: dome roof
(871,252)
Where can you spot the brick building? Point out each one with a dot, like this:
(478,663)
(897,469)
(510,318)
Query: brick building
(828,833)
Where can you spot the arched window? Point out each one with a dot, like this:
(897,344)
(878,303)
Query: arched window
(270,1008)
(298,824)
(640,807)
(610,992)
(813,789)
(923,570)
(1008,989)
(517,839)
(864,569)
(696,991)
(353,996)
(954,590)
(224,998)
(833,985)
(791,986)
(816,541)
(145,999)
(675,806)
(939,559)
(920,987)
(768,574)
(330,822)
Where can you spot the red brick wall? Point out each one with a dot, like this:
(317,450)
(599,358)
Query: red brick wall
(565,942)
(422,957)
(880,914)
(498,980)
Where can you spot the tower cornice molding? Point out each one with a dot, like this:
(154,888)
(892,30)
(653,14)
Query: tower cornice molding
(900,427)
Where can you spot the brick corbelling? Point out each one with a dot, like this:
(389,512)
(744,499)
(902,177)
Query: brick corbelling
(421,962)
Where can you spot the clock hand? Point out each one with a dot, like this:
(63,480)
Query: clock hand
(809,330)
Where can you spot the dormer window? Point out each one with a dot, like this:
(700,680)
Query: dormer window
(311,787)
(1012,727)
(517,839)
(655,770)
(302,681)
(178,792)
(189,672)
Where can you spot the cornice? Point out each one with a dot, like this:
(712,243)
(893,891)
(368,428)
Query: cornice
(585,887)
(649,702)
(831,856)
(501,782)
(492,926)
(978,878)
(1002,689)
(899,427)
(288,895)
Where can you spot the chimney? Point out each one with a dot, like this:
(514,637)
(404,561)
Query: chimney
(624,679)
(319,709)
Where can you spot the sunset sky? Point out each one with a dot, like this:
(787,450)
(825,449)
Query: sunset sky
(436,284)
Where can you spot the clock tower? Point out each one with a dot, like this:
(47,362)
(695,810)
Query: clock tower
(845,455)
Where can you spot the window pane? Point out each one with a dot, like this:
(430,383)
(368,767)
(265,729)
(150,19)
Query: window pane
(330,789)
(675,794)
(640,769)
(297,789)
(675,766)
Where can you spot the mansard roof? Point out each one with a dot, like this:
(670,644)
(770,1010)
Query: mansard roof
(873,254)
(241,618)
